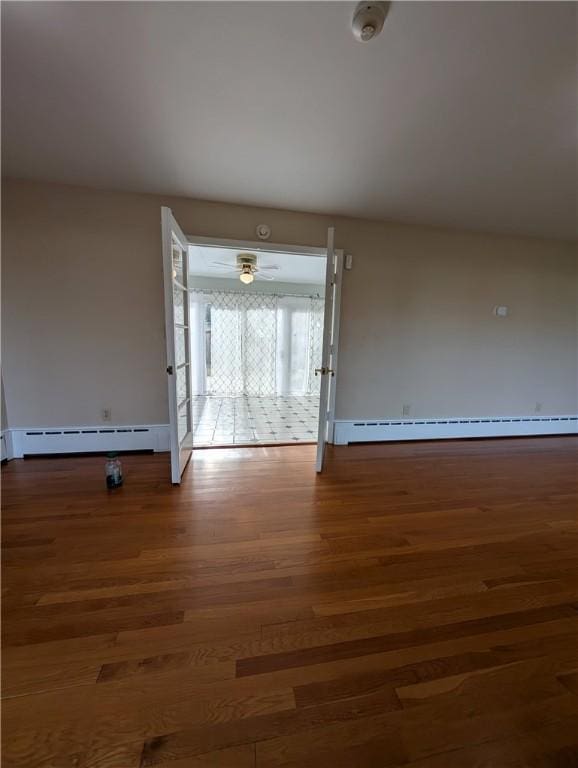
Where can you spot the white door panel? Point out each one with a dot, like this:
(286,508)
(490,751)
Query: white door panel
(175,268)
(328,368)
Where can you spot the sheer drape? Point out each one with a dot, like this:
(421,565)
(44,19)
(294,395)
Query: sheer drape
(255,344)
(197,315)
(299,340)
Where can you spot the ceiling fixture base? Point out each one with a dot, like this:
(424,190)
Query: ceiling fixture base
(368,20)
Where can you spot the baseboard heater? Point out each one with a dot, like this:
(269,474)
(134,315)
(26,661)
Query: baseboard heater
(353,431)
(19,442)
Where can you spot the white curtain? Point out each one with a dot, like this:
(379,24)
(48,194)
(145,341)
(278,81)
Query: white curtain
(299,340)
(198,368)
(260,344)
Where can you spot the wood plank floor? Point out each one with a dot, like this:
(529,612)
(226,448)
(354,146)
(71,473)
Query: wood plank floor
(414,606)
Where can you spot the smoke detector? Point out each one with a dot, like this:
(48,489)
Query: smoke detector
(263,231)
(368,20)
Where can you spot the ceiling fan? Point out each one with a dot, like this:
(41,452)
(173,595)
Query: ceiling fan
(246,267)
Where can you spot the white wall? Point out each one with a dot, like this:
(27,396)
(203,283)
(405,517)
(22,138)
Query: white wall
(83,315)
(419,324)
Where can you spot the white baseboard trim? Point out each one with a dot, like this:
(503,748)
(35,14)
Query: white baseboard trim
(27,441)
(378,430)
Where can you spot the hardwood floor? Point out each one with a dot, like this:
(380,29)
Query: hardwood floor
(414,606)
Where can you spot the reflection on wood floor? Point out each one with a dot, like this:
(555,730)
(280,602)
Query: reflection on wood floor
(416,605)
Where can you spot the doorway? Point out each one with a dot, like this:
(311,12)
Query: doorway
(255,346)
(252,342)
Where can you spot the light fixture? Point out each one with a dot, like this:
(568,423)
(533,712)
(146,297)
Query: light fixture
(368,20)
(246,275)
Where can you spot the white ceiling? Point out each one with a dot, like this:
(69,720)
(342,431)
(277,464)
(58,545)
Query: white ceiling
(460,114)
(292,267)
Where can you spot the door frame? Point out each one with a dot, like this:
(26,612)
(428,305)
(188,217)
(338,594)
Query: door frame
(297,250)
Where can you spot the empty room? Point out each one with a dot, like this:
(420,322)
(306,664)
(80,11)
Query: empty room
(289,384)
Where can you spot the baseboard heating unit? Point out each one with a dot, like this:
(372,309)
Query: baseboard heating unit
(29,441)
(376,430)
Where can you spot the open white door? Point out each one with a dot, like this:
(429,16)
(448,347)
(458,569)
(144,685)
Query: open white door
(176,278)
(333,274)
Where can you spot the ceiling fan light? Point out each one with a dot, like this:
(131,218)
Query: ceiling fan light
(246,277)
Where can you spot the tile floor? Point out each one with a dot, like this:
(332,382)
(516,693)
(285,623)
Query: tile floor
(245,420)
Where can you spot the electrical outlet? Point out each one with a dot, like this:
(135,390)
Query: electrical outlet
(538,407)
(106,414)
(406,409)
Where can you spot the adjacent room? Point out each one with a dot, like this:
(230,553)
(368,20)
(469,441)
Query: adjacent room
(256,333)
(289,384)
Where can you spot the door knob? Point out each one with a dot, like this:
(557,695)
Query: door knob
(170,370)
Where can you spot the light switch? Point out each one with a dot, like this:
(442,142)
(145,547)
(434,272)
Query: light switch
(501,311)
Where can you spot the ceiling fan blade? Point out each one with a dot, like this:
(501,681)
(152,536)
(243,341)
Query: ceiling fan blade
(269,266)
(262,276)
(222,265)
